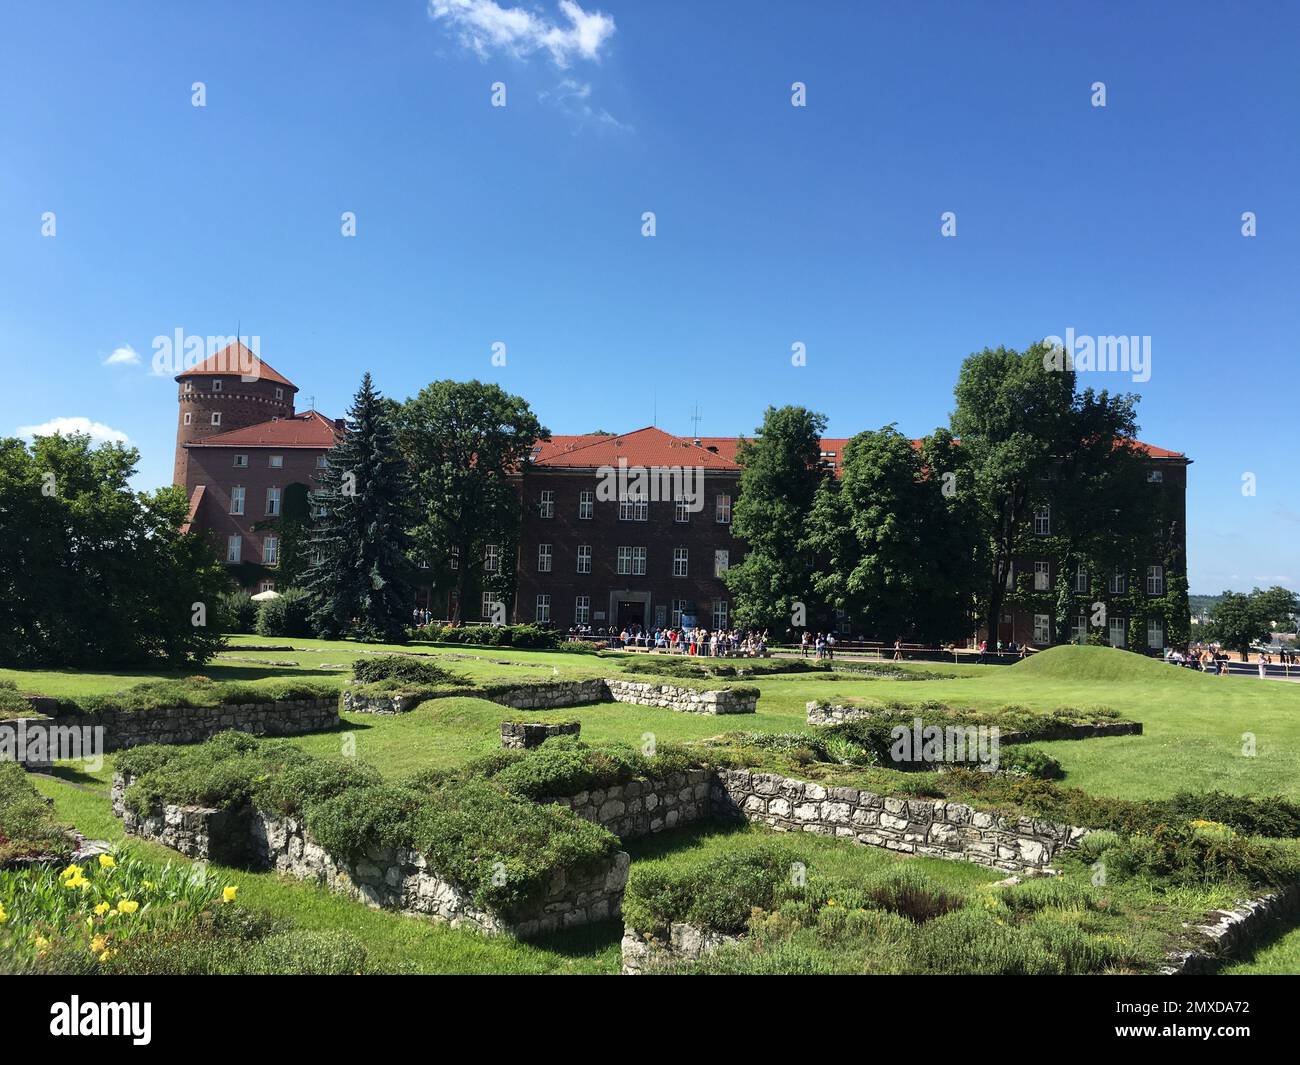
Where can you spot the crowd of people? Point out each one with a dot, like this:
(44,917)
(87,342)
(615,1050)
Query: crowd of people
(688,640)
(1212,658)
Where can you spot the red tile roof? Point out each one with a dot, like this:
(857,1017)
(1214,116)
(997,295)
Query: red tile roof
(237,360)
(644,447)
(309,429)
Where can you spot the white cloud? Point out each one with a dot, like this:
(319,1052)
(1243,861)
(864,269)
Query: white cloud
(572,98)
(123,355)
(485,27)
(98,432)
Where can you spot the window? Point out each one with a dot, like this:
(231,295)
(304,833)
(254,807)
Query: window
(216,384)
(543,609)
(584,558)
(272,501)
(216,417)
(322,462)
(189,386)
(241,462)
(1118,637)
(582,610)
(493,609)
(680,607)
(1155,580)
(1117,582)
(586,505)
(271,550)
(543,558)
(1011,576)
(1081,579)
(631,560)
(187,418)
(681,561)
(681,512)
(234,548)
(266,586)
(1042,576)
(454,557)
(1079,630)
(1042,629)
(546,505)
(721,562)
(1155,476)
(237,500)
(719,613)
(276,462)
(633,510)
(1043,521)
(1156,634)
(279,393)
(491,559)
(722,510)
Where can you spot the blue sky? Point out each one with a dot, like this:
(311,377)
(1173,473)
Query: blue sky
(775,225)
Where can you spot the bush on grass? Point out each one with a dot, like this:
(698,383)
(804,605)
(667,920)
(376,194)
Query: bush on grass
(288,614)
(404,670)
(236,612)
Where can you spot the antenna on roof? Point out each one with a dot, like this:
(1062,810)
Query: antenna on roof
(654,417)
(695,422)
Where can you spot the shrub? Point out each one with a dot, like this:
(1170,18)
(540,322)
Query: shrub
(28,827)
(911,894)
(403,669)
(1030,762)
(719,894)
(523,636)
(566,765)
(972,943)
(237,612)
(1180,855)
(12,702)
(288,614)
(362,817)
(1049,892)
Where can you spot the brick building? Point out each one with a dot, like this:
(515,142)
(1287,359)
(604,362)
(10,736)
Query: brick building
(241,450)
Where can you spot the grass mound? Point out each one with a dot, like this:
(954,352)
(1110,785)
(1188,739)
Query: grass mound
(1071,662)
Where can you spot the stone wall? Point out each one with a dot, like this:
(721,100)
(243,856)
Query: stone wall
(644,807)
(525,735)
(685,943)
(193,724)
(932,827)
(819,713)
(381,702)
(548,695)
(394,878)
(682,699)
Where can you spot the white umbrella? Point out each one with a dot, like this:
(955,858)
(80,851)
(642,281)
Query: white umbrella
(262,597)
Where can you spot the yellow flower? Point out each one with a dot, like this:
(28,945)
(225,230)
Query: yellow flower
(102,909)
(42,943)
(830,902)
(228,893)
(72,870)
(148,885)
(127,906)
(77,881)
(107,861)
(3,915)
(106,955)
(98,944)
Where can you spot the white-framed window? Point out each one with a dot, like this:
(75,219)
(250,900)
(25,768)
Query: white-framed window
(237,499)
(582,610)
(1155,476)
(234,548)
(1081,579)
(189,386)
(490,607)
(543,610)
(241,462)
(187,418)
(681,562)
(1118,632)
(721,561)
(544,556)
(720,610)
(217,384)
(1043,521)
(1042,576)
(1116,584)
(322,462)
(633,509)
(1155,580)
(584,558)
(453,557)
(546,505)
(1156,634)
(586,505)
(491,558)
(272,501)
(276,462)
(266,586)
(279,393)
(271,550)
(680,607)
(681,512)
(216,417)
(722,509)
(1042,629)
(631,561)
(1079,629)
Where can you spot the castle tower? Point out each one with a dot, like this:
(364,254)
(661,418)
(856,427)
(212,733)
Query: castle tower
(232,389)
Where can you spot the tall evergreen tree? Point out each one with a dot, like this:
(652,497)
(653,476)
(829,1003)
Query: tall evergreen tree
(360,578)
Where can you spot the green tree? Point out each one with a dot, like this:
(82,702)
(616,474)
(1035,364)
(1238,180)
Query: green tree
(1238,620)
(360,576)
(93,574)
(465,443)
(781,470)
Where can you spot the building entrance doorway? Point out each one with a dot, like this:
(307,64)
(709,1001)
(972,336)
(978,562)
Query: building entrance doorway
(631,612)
